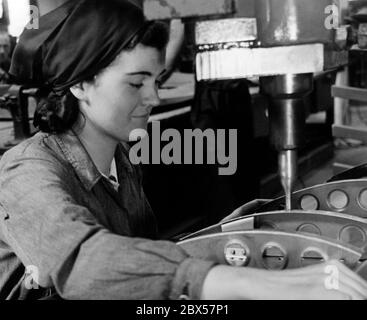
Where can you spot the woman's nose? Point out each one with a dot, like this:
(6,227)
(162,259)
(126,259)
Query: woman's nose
(152,98)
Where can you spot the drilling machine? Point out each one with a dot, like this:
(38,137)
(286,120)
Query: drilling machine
(283,42)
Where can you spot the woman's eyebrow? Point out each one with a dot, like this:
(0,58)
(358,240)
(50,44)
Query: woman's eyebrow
(144,73)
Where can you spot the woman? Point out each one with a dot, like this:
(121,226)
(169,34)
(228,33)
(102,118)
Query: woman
(66,228)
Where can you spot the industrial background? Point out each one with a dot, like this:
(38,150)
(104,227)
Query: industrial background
(291,77)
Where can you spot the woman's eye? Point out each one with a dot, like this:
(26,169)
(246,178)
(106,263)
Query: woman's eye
(136,85)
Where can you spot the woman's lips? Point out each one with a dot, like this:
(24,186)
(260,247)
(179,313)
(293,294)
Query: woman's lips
(142,116)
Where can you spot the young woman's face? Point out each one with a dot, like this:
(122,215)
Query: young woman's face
(122,96)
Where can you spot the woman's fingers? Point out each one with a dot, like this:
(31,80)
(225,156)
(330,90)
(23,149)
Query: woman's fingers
(351,291)
(331,280)
(326,281)
(338,280)
(350,279)
(343,269)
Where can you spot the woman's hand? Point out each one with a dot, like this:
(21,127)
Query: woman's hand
(326,281)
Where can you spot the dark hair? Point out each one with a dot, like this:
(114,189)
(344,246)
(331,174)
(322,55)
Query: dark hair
(58,112)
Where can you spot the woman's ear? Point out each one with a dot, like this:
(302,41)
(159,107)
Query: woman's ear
(78,91)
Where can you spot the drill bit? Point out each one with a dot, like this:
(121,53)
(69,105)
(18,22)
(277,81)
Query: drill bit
(288,174)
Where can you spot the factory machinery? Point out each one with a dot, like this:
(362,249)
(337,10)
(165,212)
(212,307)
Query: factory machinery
(284,43)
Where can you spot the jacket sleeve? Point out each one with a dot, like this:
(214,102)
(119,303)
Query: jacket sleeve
(72,252)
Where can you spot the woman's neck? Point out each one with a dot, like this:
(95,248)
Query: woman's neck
(100,147)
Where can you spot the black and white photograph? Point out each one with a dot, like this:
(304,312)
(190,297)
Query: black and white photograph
(183,154)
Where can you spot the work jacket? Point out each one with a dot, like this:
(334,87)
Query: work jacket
(66,231)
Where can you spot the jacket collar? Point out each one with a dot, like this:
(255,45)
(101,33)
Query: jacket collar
(82,163)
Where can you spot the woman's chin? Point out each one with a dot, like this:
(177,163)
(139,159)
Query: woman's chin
(138,133)
(140,122)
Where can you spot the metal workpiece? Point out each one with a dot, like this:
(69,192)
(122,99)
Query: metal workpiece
(346,197)
(342,227)
(346,228)
(171,9)
(269,249)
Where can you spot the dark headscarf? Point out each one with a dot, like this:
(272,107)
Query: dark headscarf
(75,42)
